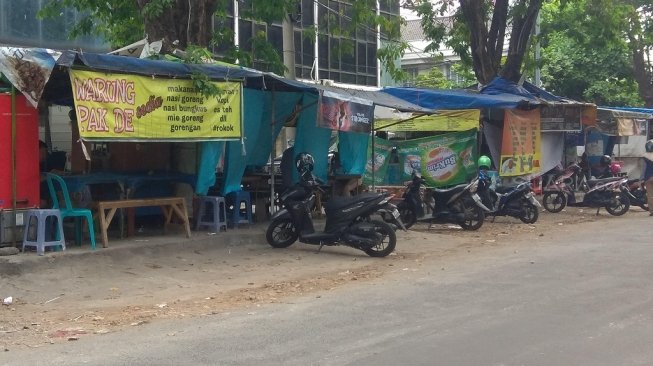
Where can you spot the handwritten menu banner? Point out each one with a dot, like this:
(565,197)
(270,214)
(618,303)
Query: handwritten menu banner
(122,107)
(558,117)
(521,145)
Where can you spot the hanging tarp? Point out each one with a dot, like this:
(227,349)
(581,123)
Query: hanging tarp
(28,69)
(345,113)
(459,120)
(521,143)
(378,154)
(442,160)
(123,107)
(621,122)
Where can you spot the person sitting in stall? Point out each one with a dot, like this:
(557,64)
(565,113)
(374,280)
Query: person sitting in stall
(287,166)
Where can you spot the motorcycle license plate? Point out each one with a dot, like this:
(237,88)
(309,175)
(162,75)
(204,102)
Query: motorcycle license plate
(395,213)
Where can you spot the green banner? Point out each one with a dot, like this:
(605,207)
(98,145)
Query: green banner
(442,160)
(376,168)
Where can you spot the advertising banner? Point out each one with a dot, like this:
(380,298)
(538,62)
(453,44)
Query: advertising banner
(462,120)
(521,143)
(376,168)
(28,69)
(442,160)
(121,107)
(344,113)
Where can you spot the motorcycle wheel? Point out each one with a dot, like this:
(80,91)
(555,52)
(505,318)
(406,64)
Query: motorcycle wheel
(408,216)
(530,213)
(641,199)
(281,233)
(619,205)
(387,244)
(474,217)
(554,201)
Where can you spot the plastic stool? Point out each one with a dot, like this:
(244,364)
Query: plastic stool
(212,213)
(236,213)
(41,241)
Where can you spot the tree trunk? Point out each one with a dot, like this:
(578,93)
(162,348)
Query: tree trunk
(187,21)
(641,71)
(481,57)
(487,46)
(522,28)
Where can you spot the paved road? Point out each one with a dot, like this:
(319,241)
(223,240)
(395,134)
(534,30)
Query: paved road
(585,300)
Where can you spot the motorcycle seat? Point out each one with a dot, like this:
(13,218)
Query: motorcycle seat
(593,182)
(448,190)
(504,189)
(340,202)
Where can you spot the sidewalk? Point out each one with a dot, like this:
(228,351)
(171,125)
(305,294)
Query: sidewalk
(152,245)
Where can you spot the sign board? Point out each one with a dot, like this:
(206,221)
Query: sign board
(122,107)
(560,118)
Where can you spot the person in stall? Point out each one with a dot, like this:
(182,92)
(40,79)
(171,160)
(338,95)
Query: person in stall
(648,174)
(49,163)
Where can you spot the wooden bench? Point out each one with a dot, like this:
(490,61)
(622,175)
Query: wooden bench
(107,209)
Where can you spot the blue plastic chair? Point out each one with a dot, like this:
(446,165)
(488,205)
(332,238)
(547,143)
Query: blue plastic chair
(67,210)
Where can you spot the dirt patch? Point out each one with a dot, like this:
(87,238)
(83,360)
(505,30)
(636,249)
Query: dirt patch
(101,294)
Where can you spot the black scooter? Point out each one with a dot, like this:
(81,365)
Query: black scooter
(348,221)
(515,201)
(457,205)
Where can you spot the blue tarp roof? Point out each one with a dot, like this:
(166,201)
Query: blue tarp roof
(131,65)
(631,109)
(59,91)
(499,93)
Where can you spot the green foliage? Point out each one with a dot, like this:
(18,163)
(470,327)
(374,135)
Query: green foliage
(585,55)
(121,22)
(118,21)
(436,79)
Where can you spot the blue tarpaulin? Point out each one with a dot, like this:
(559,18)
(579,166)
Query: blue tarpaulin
(499,94)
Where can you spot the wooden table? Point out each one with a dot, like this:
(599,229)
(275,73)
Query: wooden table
(169,205)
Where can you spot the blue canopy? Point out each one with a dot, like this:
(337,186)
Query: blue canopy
(498,94)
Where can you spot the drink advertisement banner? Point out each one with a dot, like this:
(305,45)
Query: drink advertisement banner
(121,107)
(344,113)
(376,168)
(521,143)
(442,160)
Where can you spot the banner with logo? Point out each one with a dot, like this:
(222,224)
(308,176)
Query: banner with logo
(376,168)
(345,113)
(442,160)
(121,107)
(521,143)
(462,120)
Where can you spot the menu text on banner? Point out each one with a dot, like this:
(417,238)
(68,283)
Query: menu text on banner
(521,144)
(121,107)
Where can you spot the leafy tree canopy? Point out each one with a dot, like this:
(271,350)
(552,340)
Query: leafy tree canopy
(181,23)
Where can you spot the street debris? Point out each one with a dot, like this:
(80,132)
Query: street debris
(8,301)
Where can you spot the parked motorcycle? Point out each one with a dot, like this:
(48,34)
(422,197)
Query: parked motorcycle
(636,192)
(516,201)
(609,193)
(348,220)
(457,205)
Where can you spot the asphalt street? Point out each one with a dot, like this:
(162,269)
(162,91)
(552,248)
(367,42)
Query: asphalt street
(580,299)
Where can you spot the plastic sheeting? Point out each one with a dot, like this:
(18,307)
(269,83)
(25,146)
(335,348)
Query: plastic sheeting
(352,148)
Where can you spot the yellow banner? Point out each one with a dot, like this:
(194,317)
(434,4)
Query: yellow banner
(459,120)
(521,144)
(113,107)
